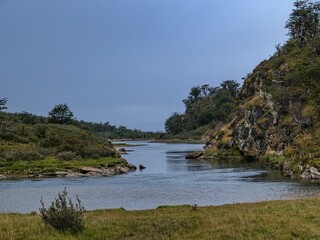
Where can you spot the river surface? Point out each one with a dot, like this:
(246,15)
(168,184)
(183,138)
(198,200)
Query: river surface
(169,179)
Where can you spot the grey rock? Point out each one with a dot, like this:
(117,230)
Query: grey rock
(75,174)
(86,170)
(310,173)
(122,150)
(93,174)
(141,167)
(2,176)
(62,173)
(124,170)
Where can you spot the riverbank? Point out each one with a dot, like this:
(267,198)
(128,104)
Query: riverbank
(286,219)
(51,167)
(126,144)
(174,140)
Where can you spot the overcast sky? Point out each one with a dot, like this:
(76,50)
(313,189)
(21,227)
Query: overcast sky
(129,62)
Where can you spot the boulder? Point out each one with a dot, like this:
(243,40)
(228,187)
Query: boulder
(122,150)
(86,170)
(93,174)
(74,174)
(2,176)
(141,167)
(124,170)
(310,173)
(194,155)
(61,174)
(132,167)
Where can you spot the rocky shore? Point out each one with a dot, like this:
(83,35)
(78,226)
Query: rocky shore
(306,171)
(85,171)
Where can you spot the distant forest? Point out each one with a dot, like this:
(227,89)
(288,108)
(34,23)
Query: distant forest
(61,114)
(205,107)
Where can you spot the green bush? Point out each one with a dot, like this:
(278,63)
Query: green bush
(67,155)
(96,152)
(40,130)
(23,154)
(13,138)
(63,215)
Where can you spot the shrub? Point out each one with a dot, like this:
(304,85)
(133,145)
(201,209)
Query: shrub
(68,155)
(96,152)
(40,130)
(51,141)
(63,215)
(24,154)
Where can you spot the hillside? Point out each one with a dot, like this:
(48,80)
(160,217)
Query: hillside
(278,118)
(206,107)
(32,147)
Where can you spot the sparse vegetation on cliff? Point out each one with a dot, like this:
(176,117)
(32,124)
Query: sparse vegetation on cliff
(278,119)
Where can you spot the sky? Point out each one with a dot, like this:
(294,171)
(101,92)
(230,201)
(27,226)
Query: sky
(129,62)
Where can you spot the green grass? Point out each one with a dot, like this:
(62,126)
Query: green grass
(290,219)
(52,164)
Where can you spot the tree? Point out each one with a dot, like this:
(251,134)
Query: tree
(61,114)
(194,95)
(174,124)
(198,92)
(303,23)
(231,86)
(3,103)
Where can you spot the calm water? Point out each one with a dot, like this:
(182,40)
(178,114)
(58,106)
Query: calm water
(168,179)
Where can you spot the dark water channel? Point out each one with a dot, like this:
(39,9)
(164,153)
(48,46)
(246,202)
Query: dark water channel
(169,179)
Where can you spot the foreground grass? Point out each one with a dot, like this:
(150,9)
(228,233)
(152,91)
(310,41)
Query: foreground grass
(52,164)
(292,219)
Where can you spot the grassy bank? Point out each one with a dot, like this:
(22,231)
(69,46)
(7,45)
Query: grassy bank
(52,164)
(292,219)
(37,148)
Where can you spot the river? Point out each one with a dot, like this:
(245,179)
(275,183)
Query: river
(169,179)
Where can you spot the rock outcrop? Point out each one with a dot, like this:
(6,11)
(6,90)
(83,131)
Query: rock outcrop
(276,121)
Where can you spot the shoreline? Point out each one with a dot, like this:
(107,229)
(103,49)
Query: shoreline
(105,167)
(191,141)
(125,141)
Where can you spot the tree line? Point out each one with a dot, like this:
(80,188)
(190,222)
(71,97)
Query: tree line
(62,114)
(205,105)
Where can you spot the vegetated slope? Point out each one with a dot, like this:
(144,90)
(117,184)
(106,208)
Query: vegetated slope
(29,146)
(205,108)
(22,141)
(278,117)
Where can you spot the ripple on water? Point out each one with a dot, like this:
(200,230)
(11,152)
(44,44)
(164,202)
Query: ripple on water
(169,179)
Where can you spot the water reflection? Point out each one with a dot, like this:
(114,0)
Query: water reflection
(169,179)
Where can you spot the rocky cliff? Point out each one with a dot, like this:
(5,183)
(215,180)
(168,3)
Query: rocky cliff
(278,118)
